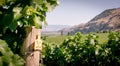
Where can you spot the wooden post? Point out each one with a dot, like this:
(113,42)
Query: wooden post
(30,55)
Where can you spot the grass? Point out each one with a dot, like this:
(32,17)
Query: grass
(55,39)
(103,37)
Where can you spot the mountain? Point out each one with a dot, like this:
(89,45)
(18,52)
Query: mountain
(108,20)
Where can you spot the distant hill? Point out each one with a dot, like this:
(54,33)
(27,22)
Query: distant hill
(54,27)
(53,30)
(105,21)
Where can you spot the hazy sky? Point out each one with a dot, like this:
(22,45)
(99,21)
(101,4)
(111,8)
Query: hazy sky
(73,12)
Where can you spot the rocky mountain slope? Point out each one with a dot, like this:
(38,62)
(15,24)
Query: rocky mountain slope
(107,20)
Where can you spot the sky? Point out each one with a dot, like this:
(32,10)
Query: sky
(74,12)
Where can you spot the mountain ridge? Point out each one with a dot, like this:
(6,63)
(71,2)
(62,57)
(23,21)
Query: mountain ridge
(108,20)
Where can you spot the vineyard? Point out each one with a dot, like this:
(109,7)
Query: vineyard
(73,51)
(103,37)
(16,15)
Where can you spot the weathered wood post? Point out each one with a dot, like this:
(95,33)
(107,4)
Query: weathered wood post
(31,47)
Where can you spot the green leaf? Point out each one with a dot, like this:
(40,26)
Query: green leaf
(2,2)
(8,58)
(17,14)
(25,9)
(6,20)
(0,12)
(35,21)
(13,25)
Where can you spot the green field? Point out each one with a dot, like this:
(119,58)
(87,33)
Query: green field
(103,37)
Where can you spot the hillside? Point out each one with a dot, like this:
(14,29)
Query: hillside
(105,21)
